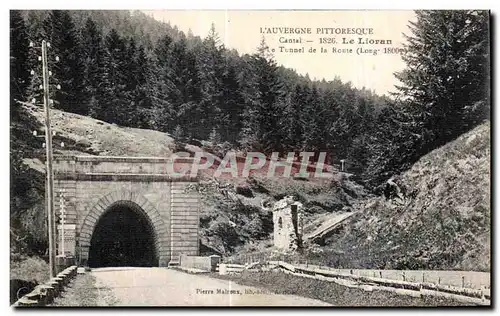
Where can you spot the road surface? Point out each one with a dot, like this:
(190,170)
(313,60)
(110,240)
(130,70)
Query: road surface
(166,287)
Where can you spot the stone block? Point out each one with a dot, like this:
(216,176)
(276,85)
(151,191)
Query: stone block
(26,302)
(163,262)
(178,190)
(72,271)
(184,228)
(184,222)
(187,202)
(85,234)
(162,228)
(140,200)
(178,184)
(47,293)
(64,278)
(107,200)
(56,284)
(222,269)
(183,243)
(191,216)
(93,215)
(37,295)
(154,216)
(184,197)
(184,209)
(165,253)
(86,230)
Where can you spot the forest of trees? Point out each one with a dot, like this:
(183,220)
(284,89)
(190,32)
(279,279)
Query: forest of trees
(127,68)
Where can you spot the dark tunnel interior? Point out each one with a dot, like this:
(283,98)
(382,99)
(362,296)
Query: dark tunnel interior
(123,236)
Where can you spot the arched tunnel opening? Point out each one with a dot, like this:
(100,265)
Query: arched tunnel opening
(123,236)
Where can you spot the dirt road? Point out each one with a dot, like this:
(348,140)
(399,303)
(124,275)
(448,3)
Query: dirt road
(166,287)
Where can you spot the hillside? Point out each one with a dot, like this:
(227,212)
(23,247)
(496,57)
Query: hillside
(86,136)
(441,221)
(233,217)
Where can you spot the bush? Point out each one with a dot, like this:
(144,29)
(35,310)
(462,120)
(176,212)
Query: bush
(245,191)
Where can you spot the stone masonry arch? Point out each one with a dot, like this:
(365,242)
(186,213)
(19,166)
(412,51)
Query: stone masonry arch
(139,202)
(86,187)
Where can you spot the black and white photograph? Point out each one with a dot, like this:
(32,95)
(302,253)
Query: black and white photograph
(333,158)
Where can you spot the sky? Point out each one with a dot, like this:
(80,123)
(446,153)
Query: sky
(241,30)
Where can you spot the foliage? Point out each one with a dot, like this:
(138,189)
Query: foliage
(19,52)
(445,89)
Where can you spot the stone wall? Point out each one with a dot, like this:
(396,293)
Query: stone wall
(202,263)
(184,221)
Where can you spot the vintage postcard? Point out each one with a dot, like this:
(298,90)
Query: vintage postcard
(250,158)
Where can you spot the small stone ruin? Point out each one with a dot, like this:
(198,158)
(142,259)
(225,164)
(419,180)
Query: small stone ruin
(288,226)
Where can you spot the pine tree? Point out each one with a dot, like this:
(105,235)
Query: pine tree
(19,52)
(365,110)
(131,66)
(214,138)
(162,88)
(330,104)
(186,92)
(249,137)
(141,97)
(358,153)
(343,128)
(232,103)
(393,133)
(446,81)
(69,72)
(115,106)
(261,118)
(210,69)
(94,54)
(291,121)
(133,78)
(312,120)
(178,134)
(271,94)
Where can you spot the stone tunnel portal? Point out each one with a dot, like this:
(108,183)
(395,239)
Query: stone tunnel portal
(125,210)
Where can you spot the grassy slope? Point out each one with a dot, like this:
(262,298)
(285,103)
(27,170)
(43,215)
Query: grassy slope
(444,222)
(86,136)
(31,269)
(83,292)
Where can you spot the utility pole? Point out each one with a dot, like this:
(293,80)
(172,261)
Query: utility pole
(50,172)
(49,185)
(63,215)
